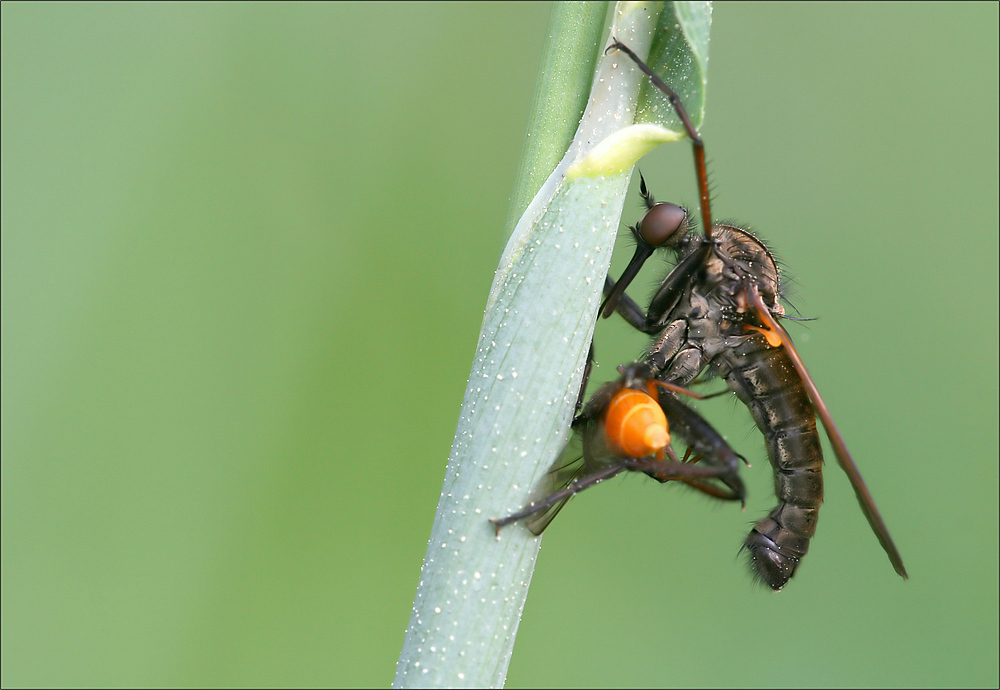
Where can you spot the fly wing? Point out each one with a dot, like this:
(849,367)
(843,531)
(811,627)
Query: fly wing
(844,458)
(568,467)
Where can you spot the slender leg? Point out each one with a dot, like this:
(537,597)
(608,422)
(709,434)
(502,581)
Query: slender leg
(696,143)
(574,487)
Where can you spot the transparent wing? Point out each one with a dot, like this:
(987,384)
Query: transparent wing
(567,468)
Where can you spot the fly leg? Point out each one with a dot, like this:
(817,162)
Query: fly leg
(665,471)
(697,145)
(693,475)
(708,488)
(574,487)
(706,442)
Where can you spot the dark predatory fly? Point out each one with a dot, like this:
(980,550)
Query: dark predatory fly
(626,426)
(717,310)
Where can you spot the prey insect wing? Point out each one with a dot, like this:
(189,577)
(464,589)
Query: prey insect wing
(568,467)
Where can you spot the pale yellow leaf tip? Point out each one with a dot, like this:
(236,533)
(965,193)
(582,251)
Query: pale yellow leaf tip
(621,150)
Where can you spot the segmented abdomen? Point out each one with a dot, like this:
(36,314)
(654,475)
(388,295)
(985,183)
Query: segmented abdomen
(764,378)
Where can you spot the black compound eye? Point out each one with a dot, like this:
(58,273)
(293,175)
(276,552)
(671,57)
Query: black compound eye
(664,224)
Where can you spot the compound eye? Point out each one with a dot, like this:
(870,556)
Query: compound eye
(664,224)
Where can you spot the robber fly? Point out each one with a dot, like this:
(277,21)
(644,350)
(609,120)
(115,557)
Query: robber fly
(626,426)
(718,310)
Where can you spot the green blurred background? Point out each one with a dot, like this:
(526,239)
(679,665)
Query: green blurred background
(246,250)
